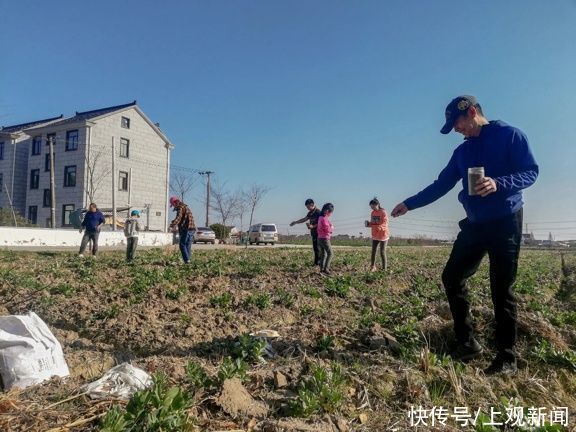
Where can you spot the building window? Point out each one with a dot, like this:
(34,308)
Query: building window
(125,122)
(36,145)
(47,162)
(66,210)
(70,176)
(47,198)
(1,150)
(124,147)
(72,140)
(35,179)
(123,181)
(33,214)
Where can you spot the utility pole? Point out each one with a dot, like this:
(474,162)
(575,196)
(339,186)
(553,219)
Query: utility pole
(207,174)
(11,205)
(52,184)
(147,207)
(113,185)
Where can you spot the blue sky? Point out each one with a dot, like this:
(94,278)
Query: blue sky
(336,100)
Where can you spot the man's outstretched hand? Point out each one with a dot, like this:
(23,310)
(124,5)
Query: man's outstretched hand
(399,210)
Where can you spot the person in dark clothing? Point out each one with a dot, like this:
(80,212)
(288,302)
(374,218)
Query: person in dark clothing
(311,220)
(184,223)
(93,221)
(500,157)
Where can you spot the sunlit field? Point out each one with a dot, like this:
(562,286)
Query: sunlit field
(357,351)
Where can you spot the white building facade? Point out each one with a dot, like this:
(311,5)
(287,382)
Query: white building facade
(115,157)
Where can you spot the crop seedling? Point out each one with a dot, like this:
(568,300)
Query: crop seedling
(223,301)
(249,348)
(312,292)
(232,368)
(109,312)
(158,408)
(322,392)
(306,310)
(284,297)
(338,286)
(547,354)
(196,376)
(261,301)
(325,343)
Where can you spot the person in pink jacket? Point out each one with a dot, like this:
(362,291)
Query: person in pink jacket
(325,229)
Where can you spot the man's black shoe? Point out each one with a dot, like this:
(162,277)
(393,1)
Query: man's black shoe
(501,366)
(466,351)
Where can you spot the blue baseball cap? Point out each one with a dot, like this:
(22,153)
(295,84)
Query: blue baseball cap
(456,108)
(135,213)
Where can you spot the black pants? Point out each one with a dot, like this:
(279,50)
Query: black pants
(89,236)
(383,256)
(314,234)
(325,254)
(499,239)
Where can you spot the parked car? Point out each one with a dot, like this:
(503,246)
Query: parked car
(204,235)
(263,233)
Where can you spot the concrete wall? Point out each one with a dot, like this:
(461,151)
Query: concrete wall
(35,237)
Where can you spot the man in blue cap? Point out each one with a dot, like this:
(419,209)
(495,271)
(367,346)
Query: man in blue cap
(493,223)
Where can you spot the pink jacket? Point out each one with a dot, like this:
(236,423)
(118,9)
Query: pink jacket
(325,228)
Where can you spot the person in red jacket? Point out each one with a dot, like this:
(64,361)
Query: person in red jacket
(380,233)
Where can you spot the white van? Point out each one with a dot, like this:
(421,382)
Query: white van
(263,233)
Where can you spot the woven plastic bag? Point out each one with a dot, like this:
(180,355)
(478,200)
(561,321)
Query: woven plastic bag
(29,352)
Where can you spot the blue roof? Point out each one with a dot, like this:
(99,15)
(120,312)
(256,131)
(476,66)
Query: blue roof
(22,126)
(87,115)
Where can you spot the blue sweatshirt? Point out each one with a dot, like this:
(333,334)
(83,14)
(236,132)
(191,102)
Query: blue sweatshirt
(504,153)
(92,220)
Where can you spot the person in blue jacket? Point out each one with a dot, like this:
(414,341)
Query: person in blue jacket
(493,223)
(93,221)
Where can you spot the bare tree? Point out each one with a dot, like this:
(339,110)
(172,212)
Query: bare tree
(182,183)
(242,206)
(253,197)
(97,171)
(225,203)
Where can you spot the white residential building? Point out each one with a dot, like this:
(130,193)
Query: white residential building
(136,175)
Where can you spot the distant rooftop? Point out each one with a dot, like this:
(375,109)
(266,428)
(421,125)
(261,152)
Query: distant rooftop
(22,126)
